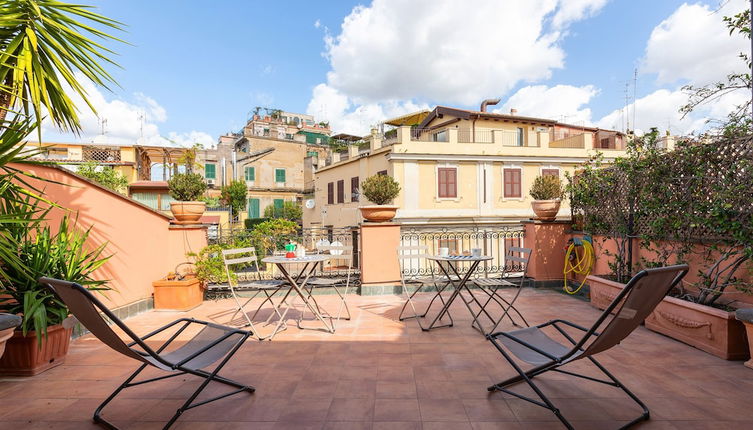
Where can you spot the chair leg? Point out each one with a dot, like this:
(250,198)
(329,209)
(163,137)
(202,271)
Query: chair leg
(97,418)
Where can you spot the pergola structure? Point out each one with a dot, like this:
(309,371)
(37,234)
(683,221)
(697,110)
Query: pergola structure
(147,156)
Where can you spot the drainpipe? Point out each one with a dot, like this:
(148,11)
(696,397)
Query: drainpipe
(235,162)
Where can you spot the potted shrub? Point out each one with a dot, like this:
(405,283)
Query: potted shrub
(187,188)
(41,341)
(180,290)
(547,192)
(380,190)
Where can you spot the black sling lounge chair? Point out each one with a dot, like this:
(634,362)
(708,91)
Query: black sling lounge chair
(211,344)
(533,346)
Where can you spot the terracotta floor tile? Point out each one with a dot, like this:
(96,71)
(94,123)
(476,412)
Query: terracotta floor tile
(396,410)
(395,390)
(351,410)
(442,410)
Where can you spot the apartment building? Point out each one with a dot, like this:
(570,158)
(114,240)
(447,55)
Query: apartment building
(457,166)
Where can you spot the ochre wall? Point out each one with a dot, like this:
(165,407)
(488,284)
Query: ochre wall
(144,247)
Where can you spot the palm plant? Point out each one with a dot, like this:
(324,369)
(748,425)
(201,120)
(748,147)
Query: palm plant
(45,44)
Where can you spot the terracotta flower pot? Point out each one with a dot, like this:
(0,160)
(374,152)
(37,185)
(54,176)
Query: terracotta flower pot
(746,316)
(187,212)
(378,213)
(180,295)
(603,291)
(8,323)
(709,329)
(23,357)
(546,210)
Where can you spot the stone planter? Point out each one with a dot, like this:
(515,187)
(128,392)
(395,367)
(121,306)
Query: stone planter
(603,291)
(8,323)
(546,210)
(187,212)
(23,357)
(708,329)
(746,316)
(378,213)
(177,295)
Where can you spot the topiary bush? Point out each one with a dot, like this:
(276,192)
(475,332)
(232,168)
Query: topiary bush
(380,189)
(547,187)
(186,187)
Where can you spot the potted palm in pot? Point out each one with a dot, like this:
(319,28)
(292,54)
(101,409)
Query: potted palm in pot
(547,193)
(380,190)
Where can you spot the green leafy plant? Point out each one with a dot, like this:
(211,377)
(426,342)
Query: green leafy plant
(547,187)
(210,201)
(105,176)
(234,195)
(289,211)
(186,187)
(63,254)
(250,223)
(380,189)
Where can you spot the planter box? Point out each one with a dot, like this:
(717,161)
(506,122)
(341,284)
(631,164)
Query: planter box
(603,291)
(708,329)
(177,295)
(23,357)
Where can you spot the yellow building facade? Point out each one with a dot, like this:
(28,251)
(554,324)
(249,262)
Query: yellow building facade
(458,167)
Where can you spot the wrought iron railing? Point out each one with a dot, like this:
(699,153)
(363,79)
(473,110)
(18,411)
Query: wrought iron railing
(493,240)
(475,136)
(429,135)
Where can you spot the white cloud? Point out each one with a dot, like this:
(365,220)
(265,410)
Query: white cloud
(563,103)
(317,23)
(694,45)
(127,123)
(392,55)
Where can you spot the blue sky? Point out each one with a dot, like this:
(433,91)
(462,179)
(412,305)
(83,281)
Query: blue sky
(195,69)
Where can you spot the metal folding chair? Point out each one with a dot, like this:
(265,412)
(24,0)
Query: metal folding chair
(340,253)
(268,287)
(516,260)
(211,344)
(533,346)
(415,278)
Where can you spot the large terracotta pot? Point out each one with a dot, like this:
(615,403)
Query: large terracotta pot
(176,295)
(709,329)
(187,212)
(603,291)
(23,357)
(8,323)
(746,316)
(546,210)
(378,213)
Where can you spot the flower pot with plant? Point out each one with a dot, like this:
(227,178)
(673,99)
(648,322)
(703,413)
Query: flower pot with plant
(187,188)
(547,192)
(41,341)
(380,190)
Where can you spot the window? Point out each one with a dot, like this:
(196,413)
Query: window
(279,203)
(354,193)
(512,182)
(440,136)
(605,144)
(520,136)
(312,154)
(279,175)
(250,174)
(341,191)
(382,172)
(331,193)
(447,183)
(550,172)
(253,208)
(210,171)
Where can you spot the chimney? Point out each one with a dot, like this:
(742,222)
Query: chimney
(488,102)
(513,111)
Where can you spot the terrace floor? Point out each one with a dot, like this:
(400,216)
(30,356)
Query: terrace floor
(378,373)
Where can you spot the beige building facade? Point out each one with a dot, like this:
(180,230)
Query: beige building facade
(458,167)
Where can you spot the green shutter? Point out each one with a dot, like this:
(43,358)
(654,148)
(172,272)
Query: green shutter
(253,208)
(279,175)
(209,171)
(279,203)
(250,174)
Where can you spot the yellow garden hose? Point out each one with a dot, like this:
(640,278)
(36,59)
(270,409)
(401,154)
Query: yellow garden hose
(579,259)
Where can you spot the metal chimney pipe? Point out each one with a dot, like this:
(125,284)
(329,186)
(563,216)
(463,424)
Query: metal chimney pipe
(488,102)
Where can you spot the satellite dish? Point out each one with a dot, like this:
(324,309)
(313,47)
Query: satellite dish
(310,203)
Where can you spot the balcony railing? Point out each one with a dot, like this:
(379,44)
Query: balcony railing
(101,154)
(568,141)
(429,135)
(475,136)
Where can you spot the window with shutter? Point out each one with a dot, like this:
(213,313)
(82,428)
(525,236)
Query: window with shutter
(354,191)
(210,171)
(331,193)
(447,182)
(280,175)
(550,172)
(382,172)
(250,174)
(341,191)
(253,208)
(512,182)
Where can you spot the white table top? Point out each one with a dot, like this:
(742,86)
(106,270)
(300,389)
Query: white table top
(281,259)
(458,258)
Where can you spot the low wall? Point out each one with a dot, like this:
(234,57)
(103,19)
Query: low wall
(145,246)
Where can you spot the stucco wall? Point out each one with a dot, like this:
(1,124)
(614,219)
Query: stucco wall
(144,247)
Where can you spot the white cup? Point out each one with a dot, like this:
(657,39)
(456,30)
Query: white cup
(476,252)
(444,252)
(300,252)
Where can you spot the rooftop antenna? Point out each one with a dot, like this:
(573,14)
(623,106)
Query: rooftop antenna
(141,125)
(635,86)
(103,124)
(627,107)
